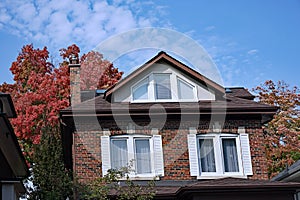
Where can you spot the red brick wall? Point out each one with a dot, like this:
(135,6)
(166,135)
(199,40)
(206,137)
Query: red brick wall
(75,83)
(87,149)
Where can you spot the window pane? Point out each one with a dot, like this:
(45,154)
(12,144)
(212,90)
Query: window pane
(230,155)
(140,92)
(162,86)
(185,90)
(119,154)
(207,155)
(143,161)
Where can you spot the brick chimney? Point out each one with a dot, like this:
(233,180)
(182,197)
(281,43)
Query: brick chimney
(74,68)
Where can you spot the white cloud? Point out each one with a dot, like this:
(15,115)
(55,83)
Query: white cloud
(232,59)
(252,52)
(209,28)
(59,23)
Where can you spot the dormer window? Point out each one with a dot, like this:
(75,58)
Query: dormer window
(140,91)
(185,90)
(159,87)
(162,86)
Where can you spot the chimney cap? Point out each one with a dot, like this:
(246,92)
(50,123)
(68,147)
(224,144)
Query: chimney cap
(73,59)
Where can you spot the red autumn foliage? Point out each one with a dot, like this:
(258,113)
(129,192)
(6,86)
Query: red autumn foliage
(282,134)
(40,90)
(71,50)
(97,73)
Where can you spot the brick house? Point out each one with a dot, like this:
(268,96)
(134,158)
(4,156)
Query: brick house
(196,138)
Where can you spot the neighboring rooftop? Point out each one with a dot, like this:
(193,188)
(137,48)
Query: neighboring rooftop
(240,92)
(290,174)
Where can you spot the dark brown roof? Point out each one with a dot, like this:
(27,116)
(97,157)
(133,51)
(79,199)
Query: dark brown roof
(291,173)
(239,183)
(240,92)
(231,104)
(173,188)
(237,101)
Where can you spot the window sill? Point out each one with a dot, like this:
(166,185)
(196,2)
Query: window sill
(221,176)
(141,177)
(166,101)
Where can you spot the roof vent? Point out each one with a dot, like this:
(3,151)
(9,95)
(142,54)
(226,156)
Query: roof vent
(228,90)
(100,92)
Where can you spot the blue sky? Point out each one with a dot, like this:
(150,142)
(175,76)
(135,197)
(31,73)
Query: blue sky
(249,41)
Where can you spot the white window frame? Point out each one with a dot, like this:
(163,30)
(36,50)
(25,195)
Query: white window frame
(243,160)
(136,86)
(174,79)
(156,155)
(190,84)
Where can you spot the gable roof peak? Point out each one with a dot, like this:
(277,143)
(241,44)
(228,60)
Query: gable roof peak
(162,55)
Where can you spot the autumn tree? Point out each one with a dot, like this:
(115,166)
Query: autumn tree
(96,72)
(39,92)
(40,89)
(282,134)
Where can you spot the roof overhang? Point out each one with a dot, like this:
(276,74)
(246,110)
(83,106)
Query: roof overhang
(7,106)
(11,150)
(290,174)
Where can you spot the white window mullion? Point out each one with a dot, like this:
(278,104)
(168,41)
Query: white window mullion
(131,152)
(151,88)
(218,155)
(173,82)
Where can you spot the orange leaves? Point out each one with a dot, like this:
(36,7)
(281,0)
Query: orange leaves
(39,92)
(30,60)
(71,50)
(282,133)
(97,73)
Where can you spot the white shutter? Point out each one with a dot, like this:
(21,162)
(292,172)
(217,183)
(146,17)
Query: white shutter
(246,154)
(158,155)
(105,154)
(193,155)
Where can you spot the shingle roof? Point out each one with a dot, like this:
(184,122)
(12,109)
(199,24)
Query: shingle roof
(174,187)
(230,104)
(240,92)
(237,101)
(239,183)
(290,173)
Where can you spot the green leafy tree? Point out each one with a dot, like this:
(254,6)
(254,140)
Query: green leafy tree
(282,134)
(50,178)
(116,184)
